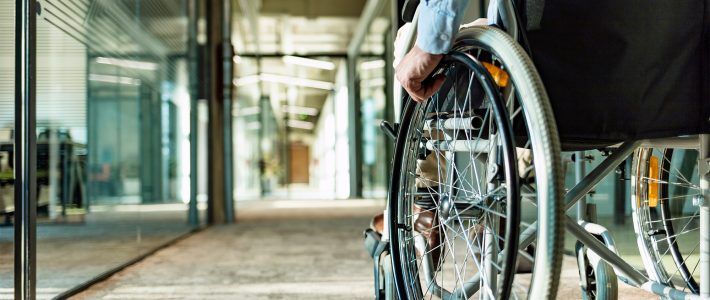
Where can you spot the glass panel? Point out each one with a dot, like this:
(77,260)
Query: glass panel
(7,123)
(375,105)
(113,135)
(373,101)
(247,134)
(330,156)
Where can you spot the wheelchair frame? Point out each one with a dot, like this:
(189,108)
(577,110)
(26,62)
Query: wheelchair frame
(585,231)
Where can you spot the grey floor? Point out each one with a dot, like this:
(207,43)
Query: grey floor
(276,251)
(69,254)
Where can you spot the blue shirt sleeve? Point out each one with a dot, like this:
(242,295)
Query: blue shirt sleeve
(492,14)
(438,23)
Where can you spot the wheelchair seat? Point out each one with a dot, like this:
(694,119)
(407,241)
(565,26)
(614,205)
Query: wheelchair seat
(630,69)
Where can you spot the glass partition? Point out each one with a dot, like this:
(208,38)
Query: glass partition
(374,80)
(7,123)
(330,163)
(249,111)
(113,116)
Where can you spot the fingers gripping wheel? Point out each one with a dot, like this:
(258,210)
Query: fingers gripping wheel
(483,215)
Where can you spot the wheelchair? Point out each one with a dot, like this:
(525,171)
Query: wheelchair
(484,159)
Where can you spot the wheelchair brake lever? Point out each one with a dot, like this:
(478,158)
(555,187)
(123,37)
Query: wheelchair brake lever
(389,130)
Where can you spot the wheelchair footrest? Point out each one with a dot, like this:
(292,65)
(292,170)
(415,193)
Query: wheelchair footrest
(373,243)
(375,247)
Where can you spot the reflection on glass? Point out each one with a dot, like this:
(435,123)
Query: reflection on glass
(7,119)
(374,106)
(112,134)
(251,116)
(248,130)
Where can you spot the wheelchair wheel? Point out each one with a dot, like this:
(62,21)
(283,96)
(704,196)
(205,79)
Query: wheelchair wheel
(475,194)
(666,220)
(598,280)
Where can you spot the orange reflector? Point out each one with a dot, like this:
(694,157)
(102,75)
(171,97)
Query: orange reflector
(653,181)
(499,76)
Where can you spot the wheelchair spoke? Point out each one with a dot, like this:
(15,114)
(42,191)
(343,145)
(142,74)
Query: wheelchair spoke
(683,230)
(677,172)
(677,271)
(515,113)
(479,265)
(673,253)
(452,249)
(674,219)
(654,180)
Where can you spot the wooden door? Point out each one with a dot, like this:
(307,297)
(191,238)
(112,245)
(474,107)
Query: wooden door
(299,160)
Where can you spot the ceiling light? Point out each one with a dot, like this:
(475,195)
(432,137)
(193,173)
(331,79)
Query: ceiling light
(301,110)
(290,80)
(131,64)
(373,64)
(247,111)
(308,62)
(246,80)
(300,124)
(114,79)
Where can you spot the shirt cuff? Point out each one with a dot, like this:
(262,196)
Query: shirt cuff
(435,29)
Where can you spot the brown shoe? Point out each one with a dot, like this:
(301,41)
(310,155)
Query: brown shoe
(425,221)
(378,223)
(524,265)
(426,224)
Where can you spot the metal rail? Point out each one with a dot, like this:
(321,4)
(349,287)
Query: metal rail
(25,150)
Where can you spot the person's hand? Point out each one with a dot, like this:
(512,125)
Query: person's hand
(417,65)
(414,68)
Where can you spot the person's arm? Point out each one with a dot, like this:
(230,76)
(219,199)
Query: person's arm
(438,22)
